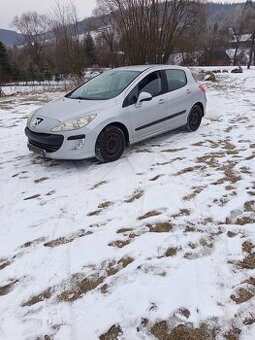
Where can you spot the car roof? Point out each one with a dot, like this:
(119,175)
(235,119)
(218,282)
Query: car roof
(143,68)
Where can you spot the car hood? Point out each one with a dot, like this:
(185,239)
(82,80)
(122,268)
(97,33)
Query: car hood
(66,108)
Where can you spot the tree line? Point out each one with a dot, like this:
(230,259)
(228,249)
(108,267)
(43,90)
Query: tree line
(131,32)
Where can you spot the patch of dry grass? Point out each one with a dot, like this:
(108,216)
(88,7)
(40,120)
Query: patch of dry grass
(5,263)
(119,243)
(173,150)
(40,180)
(94,213)
(79,285)
(105,205)
(6,289)
(155,178)
(241,296)
(31,197)
(231,234)
(249,206)
(171,251)
(138,193)
(45,295)
(248,262)
(63,240)
(190,169)
(97,185)
(182,212)
(247,247)
(233,334)
(161,331)
(195,192)
(230,174)
(124,230)
(160,227)
(113,333)
(149,214)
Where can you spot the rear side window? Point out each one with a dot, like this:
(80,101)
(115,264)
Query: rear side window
(152,83)
(175,79)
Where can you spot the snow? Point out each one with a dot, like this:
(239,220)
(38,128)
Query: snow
(202,183)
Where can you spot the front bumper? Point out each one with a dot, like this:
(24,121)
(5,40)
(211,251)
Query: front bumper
(68,145)
(45,141)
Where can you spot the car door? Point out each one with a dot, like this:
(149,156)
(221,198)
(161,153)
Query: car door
(147,118)
(179,97)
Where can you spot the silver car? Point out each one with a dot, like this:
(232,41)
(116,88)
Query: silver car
(117,108)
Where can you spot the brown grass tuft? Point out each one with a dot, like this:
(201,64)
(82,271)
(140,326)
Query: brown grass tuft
(7,288)
(138,193)
(233,334)
(94,213)
(170,252)
(31,197)
(182,332)
(195,192)
(247,247)
(248,262)
(124,230)
(105,205)
(4,263)
(242,295)
(79,286)
(155,178)
(119,243)
(99,184)
(113,333)
(160,227)
(42,179)
(149,214)
(63,240)
(45,295)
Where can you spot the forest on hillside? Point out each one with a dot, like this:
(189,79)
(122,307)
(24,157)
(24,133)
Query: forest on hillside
(127,32)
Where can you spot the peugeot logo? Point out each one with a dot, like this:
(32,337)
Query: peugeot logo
(37,121)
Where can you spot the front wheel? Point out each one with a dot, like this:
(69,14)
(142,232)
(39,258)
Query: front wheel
(110,144)
(194,118)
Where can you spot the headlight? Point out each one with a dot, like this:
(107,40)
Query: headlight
(30,116)
(73,124)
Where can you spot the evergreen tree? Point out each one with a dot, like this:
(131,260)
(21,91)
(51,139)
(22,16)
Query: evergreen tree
(5,68)
(90,51)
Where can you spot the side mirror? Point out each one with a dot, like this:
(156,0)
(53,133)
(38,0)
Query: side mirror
(144,97)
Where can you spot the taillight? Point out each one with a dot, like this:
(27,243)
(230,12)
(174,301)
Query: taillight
(201,88)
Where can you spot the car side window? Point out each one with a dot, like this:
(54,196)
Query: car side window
(152,84)
(175,79)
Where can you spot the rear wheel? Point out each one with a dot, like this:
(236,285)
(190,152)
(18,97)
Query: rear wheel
(194,118)
(110,144)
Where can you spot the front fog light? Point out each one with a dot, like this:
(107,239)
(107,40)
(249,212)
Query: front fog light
(80,144)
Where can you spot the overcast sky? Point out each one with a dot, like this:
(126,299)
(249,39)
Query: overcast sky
(10,8)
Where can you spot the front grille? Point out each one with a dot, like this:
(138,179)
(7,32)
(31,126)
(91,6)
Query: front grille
(45,141)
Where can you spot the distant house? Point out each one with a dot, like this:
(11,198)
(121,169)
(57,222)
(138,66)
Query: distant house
(242,40)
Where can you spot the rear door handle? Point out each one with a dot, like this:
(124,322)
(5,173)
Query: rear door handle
(161,101)
(188,91)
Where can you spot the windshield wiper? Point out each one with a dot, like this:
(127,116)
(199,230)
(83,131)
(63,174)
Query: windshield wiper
(81,98)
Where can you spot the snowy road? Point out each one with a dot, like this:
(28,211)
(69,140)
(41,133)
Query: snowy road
(132,249)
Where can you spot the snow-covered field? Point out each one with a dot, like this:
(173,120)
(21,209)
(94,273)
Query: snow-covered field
(157,245)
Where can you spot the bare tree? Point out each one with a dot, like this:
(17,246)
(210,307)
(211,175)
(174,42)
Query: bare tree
(33,27)
(243,22)
(64,24)
(149,29)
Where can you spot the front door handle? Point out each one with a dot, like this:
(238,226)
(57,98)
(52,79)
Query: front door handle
(188,91)
(161,101)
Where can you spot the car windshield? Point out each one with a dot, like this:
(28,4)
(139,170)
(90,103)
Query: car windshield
(105,86)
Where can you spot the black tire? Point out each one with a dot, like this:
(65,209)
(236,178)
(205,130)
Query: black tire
(194,118)
(110,144)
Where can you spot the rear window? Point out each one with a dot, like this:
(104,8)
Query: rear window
(175,79)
